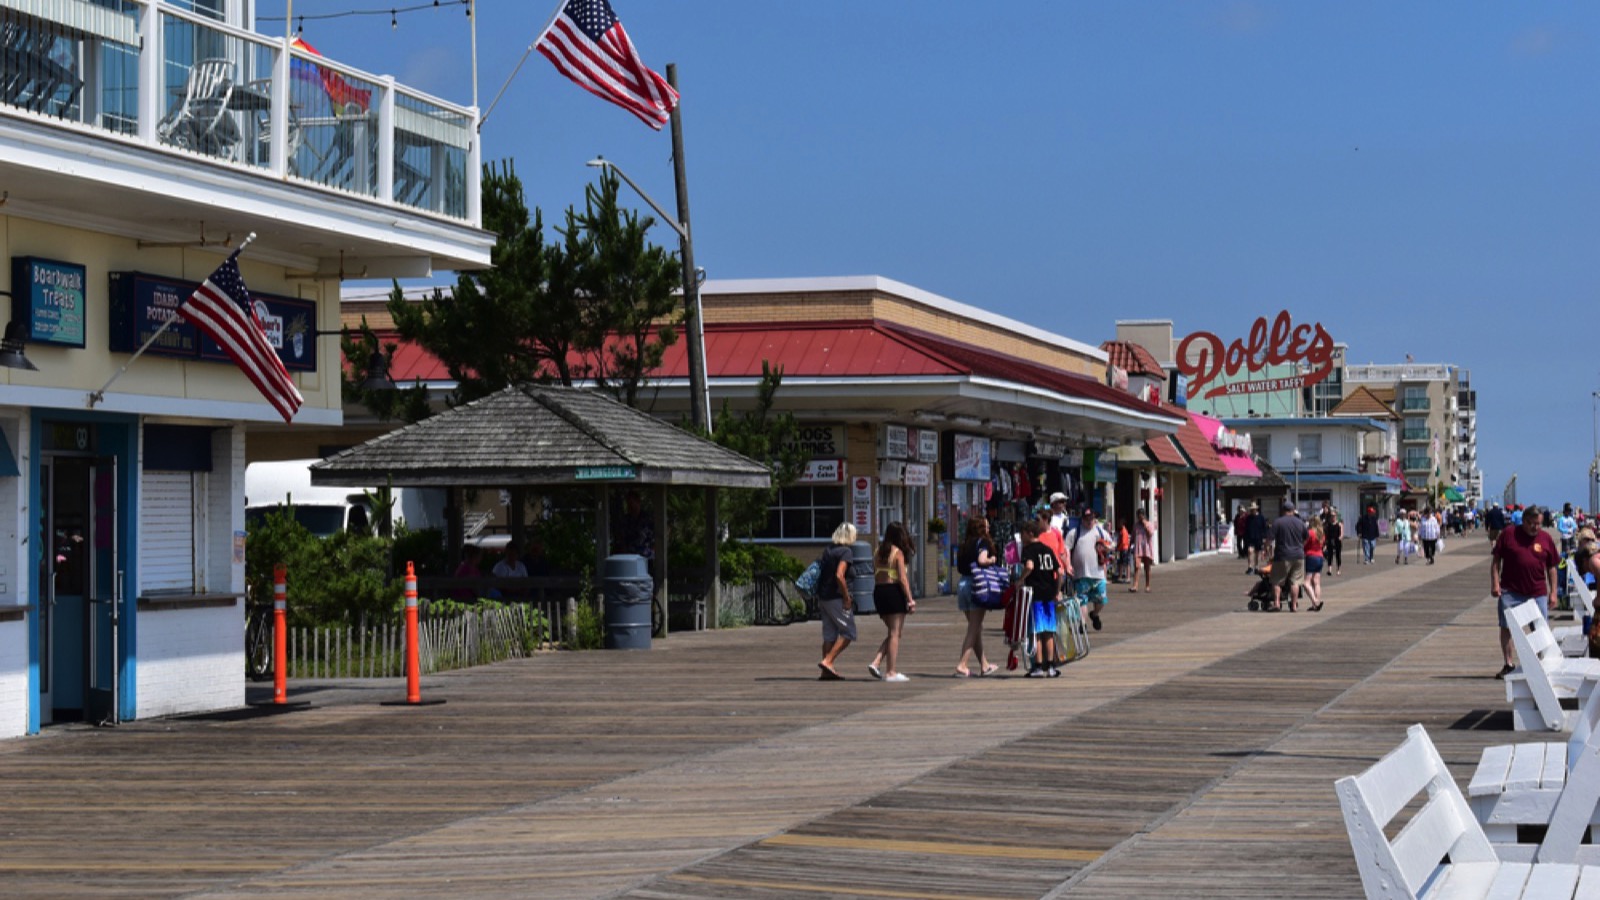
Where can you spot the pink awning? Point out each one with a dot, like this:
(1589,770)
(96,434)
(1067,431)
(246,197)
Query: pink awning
(1235,462)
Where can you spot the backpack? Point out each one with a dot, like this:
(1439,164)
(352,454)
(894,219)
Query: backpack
(807,582)
(989,585)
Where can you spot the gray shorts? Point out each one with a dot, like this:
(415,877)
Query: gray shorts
(1289,571)
(1508,600)
(837,622)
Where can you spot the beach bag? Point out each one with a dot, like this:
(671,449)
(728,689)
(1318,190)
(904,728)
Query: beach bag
(807,582)
(989,585)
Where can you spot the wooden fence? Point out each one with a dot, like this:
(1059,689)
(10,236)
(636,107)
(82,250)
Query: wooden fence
(470,638)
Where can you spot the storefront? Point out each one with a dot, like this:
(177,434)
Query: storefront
(906,457)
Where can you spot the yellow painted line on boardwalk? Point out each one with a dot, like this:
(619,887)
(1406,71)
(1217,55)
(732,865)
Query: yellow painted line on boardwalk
(849,889)
(1000,851)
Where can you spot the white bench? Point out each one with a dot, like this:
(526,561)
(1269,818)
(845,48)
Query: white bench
(1412,865)
(1520,784)
(1544,677)
(1571,637)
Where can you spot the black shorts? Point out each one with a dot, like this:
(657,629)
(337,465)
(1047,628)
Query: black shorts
(889,599)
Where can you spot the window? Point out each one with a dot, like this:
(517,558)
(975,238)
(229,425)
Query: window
(1310,448)
(172,530)
(1262,445)
(1415,397)
(805,512)
(891,506)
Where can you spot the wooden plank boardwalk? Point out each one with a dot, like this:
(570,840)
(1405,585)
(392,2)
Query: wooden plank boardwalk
(1192,754)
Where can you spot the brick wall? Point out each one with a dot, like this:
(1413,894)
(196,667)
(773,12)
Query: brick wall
(190,660)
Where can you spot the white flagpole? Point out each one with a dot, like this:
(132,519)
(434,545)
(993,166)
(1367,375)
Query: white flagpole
(100,395)
(560,5)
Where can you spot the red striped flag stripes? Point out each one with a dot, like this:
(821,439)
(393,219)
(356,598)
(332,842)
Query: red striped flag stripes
(587,44)
(221,309)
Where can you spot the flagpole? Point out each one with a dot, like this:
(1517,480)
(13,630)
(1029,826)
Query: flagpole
(100,395)
(484,116)
(699,391)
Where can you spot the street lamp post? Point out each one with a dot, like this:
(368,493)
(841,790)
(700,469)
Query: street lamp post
(1297,479)
(699,395)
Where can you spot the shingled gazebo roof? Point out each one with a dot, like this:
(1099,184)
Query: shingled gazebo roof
(529,435)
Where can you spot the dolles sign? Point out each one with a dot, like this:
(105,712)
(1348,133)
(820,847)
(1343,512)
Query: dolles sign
(1202,357)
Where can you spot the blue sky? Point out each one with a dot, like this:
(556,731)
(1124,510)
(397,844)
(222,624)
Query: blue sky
(1420,177)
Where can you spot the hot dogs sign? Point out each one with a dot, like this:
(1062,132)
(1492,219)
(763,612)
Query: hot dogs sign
(1303,353)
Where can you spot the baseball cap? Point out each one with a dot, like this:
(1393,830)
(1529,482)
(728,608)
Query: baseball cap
(1058,497)
(1088,511)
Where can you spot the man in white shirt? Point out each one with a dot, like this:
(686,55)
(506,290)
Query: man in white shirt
(511,566)
(1088,547)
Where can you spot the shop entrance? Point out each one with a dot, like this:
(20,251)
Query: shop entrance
(77,572)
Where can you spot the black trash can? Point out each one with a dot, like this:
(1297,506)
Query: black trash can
(859,573)
(626,587)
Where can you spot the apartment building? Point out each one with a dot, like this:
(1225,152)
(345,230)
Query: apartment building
(1438,427)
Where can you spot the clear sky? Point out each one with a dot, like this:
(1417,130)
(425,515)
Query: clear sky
(1420,177)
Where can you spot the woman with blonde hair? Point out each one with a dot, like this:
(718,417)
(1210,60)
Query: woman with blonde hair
(976,550)
(834,604)
(891,596)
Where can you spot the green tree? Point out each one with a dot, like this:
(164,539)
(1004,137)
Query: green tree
(634,286)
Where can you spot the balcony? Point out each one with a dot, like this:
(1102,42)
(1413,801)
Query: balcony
(1414,404)
(1414,434)
(167,99)
(1417,464)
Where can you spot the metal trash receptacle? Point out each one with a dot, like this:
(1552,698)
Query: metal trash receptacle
(859,573)
(626,588)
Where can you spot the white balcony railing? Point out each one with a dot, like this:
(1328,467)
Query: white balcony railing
(1391,374)
(163,77)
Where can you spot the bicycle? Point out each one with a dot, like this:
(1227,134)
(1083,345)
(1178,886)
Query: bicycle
(258,643)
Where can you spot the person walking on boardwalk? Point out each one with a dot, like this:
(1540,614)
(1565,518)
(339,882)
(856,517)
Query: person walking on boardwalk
(1333,530)
(977,550)
(1288,538)
(1494,522)
(1522,570)
(1567,527)
(1088,548)
(1315,544)
(1402,538)
(1041,573)
(834,604)
(1428,533)
(891,596)
(1367,533)
(1144,551)
(1255,534)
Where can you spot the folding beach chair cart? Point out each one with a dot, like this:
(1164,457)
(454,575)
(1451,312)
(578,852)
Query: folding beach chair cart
(1019,626)
(1072,639)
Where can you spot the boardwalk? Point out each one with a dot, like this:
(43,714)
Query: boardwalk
(1192,754)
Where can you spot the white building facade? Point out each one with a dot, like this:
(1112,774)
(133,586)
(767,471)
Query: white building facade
(141,144)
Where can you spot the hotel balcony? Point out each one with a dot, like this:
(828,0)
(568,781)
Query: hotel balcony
(1414,404)
(1417,464)
(1415,434)
(142,118)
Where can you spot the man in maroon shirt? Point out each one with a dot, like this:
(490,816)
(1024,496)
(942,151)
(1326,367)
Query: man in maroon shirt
(1523,569)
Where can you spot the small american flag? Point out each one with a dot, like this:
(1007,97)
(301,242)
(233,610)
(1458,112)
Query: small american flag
(587,44)
(220,307)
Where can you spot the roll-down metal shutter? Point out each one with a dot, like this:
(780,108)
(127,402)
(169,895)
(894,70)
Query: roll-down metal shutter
(167,526)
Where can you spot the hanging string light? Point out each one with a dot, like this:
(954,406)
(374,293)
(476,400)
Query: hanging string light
(394,13)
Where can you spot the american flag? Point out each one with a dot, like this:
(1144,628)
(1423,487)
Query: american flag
(220,307)
(587,44)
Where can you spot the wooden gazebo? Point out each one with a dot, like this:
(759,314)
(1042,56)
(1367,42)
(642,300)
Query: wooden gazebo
(539,436)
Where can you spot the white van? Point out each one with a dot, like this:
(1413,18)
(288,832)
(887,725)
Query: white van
(327,510)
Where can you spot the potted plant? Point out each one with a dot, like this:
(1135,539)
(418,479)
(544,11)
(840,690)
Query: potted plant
(936,527)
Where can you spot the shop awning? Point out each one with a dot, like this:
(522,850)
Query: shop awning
(1454,495)
(1236,462)
(1164,451)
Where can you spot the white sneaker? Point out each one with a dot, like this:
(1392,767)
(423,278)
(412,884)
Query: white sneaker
(1055,672)
(1036,673)
(897,677)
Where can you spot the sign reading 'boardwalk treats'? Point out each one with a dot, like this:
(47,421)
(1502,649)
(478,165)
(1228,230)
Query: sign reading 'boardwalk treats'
(1213,370)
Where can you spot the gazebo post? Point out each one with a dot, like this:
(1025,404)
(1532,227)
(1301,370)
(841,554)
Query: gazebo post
(454,535)
(713,563)
(519,517)
(602,534)
(658,548)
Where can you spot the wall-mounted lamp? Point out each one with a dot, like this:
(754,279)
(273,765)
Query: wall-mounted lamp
(12,347)
(377,365)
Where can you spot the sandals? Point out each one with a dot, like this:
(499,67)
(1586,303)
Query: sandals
(990,669)
(961,673)
(1315,607)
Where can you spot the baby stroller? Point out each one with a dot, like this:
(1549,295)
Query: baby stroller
(1260,593)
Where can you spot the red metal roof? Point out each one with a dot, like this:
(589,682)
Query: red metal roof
(1132,358)
(1164,451)
(861,349)
(1196,447)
